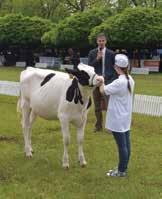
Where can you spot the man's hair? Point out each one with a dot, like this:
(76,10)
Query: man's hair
(101,35)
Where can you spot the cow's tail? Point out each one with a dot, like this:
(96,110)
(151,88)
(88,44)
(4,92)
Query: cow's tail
(19,104)
(19,109)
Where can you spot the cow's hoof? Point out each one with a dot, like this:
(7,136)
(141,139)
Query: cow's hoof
(32,151)
(66,166)
(29,155)
(83,164)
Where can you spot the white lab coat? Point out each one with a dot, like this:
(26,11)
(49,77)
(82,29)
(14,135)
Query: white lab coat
(119,113)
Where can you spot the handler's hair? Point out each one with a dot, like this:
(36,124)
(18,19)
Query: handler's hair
(125,71)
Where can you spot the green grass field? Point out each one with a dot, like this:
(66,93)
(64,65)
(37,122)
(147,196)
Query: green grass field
(42,177)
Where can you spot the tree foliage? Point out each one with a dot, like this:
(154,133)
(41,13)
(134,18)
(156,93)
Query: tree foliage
(48,9)
(82,5)
(57,10)
(20,30)
(132,28)
(74,30)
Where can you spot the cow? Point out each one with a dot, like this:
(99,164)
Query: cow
(53,94)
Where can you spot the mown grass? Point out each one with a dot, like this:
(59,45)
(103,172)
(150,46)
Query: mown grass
(10,73)
(149,84)
(42,177)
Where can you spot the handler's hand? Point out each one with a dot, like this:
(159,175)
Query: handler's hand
(100,80)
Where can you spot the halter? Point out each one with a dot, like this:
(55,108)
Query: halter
(91,85)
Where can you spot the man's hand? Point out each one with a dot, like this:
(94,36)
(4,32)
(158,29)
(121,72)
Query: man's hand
(99,55)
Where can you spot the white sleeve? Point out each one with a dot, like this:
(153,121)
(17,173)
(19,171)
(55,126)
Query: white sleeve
(113,88)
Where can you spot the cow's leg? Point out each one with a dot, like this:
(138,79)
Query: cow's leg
(66,140)
(31,121)
(26,126)
(80,138)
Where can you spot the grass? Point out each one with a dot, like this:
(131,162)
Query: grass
(10,73)
(42,177)
(149,84)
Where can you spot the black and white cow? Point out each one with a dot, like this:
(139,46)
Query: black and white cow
(50,95)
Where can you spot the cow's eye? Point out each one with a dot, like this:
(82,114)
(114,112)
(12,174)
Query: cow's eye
(84,78)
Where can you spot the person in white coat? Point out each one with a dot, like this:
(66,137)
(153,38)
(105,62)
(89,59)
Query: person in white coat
(119,112)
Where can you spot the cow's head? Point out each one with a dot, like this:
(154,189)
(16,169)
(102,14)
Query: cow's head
(85,75)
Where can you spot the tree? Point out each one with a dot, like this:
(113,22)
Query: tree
(74,30)
(81,5)
(122,4)
(133,28)
(49,9)
(57,10)
(15,29)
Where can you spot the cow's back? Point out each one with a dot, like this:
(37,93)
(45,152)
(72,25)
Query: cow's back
(31,78)
(43,99)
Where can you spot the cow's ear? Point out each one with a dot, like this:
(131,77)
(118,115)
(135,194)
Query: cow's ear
(71,71)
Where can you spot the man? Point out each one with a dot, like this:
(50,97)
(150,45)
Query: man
(102,59)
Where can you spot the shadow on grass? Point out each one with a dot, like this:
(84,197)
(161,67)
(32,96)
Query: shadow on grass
(8,139)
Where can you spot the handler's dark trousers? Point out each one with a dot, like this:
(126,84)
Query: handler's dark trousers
(123,143)
(97,97)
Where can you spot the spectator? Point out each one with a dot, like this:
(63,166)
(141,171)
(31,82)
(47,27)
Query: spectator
(72,57)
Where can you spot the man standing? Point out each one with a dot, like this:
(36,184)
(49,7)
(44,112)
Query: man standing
(102,59)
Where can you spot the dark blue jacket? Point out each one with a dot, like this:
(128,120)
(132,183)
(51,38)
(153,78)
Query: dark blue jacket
(110,73)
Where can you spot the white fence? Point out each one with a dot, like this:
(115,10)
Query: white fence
(143,104)
(50,61)
(84,60)
(149,105)
(40,65)
(9,88)
(63,66)
(143,71)
(21,64)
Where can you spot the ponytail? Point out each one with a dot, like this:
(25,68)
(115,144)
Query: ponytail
(125,70)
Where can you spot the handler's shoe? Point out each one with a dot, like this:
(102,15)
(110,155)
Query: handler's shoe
(116,173)
(116,168)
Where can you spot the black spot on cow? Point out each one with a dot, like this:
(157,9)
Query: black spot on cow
(47,78)
(73,93)
(89,103)
(81,75)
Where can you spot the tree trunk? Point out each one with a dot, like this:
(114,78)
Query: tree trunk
(135,2)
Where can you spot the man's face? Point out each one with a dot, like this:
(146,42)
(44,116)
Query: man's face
(101,41)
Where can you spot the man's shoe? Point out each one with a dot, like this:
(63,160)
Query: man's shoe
(96,130)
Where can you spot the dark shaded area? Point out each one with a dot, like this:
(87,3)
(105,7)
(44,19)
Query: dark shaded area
(7,139)
(160,67)
(89,103)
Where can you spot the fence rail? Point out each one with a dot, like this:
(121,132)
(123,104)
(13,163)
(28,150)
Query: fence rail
(143,104)
(149,105)
(10,88)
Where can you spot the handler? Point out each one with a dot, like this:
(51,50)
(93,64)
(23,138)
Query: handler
(119,113)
